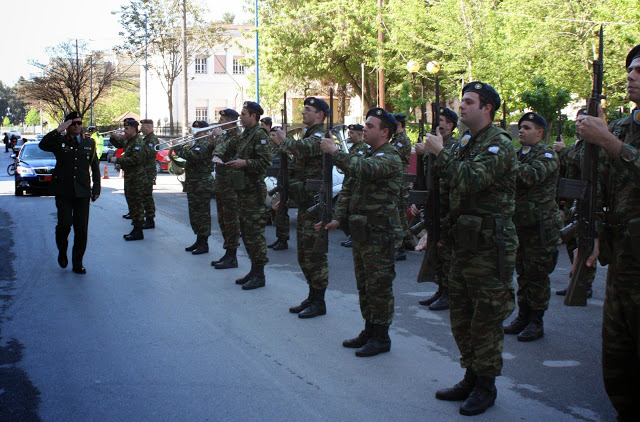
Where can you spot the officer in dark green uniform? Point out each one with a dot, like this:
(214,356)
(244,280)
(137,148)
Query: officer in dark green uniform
(76,164)
(150,141)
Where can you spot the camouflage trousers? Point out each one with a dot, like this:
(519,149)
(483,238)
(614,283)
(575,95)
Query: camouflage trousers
(402,208)
(148,202)
(374,264)
(480,302)
(199,199)
(227,207)
(252,222)
(281,221)
(314,266)
(134,188)
(443,265)
(590,273)
(621,333)
(534,262)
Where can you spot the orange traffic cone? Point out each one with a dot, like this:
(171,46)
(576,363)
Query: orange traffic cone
(121,173)
(106,172)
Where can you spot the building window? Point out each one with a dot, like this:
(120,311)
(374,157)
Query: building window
(238,67)
(220,65)
(201,65)
(202,113)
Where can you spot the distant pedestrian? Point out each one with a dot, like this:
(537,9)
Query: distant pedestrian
(6,142)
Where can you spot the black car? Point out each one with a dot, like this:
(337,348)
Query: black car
(34,169)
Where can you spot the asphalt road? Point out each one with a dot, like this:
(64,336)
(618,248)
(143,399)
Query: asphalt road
(152,333)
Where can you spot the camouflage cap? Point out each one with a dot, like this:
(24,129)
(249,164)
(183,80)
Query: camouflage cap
(534,118)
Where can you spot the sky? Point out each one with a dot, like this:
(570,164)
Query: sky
(38,24)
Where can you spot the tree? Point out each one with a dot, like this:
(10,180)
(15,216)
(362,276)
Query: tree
(12,105)
(66,82)
(117,101)
(32,118)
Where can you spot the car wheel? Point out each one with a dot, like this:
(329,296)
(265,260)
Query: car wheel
(158,168)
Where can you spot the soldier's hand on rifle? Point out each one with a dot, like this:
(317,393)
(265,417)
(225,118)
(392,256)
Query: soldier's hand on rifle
(414,210)
(420,148)
(332,225)
(328,145)
(281,134)
(237,164)
(559,145)
(422,243)
(217,160)
(594,130)
(434,143)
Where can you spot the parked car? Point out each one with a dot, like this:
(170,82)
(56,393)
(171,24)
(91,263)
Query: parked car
(34,169)
(162,161)
(107,150)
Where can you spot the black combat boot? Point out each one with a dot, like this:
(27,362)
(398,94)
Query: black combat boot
(246,277)
(136,234)
(202,246)
(521,321)
(229,260)
(281,245)
(442,302)
(535,329)
(428,301)
(271,245)
(257,279)
(401,255)
(362,339)
(149,224)
(378,343)
(215,261)
(317,306)
(461,390)
(305,303)
(127,216)
(563,292)
(192,247)
(347,243)
(481,398)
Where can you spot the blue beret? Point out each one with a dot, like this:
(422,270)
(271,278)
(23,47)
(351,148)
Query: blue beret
(317,103)
(485,90)
(356,127)
(73,115)
(253,108)
(229,112)
(200,124)
(534,118)
(450,115)
(633,54)
(385,116)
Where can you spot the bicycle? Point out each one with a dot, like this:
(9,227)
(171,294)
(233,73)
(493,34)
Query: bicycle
(11,169)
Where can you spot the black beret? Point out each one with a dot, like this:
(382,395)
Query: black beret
(73,115)
(450,115)
(317,103)
(253,108)
(400,118)
(146,122)
(130,121)
(200,124)
(356,127)
(385,116)
(229,112)
(534,118)
(485,90)
(267,120)
(633,54)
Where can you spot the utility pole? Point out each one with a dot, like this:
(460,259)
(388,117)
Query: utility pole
(380,69)
(257,60)
(185,111)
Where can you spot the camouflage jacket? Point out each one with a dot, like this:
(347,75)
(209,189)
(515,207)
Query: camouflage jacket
(198,159)
(573,160)
(253,146)
(480,173)
(403,144)
(134,157)
(373,190)
(221,144)
(150,141)
(449,143)
(307,155)
(359,147)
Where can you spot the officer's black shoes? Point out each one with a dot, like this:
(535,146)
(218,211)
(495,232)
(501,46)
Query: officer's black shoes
(535,329)
(202,246)
(305,303)
(378,343)
(127,216)
(563,292)
(79,270)
(136,234)
(228,262)
(481,398)
(401,255)
(442,302)
(433,298)
(347,243)
(362,339)
(317,306)
(192,247)
(281,245)
(62,259)
(461,390)
(520,322)
(254,282)
(149,224)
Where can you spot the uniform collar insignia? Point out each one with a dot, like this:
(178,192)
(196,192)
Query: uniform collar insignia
(636,116)
(526,149)
(465,140)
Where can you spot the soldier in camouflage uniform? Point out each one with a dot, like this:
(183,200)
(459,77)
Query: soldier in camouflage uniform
(368,208)
(150,142)
(198,185)
(401,141)
(281,215)
(538,221)
(135,176)
(439,301)
(619,245)
(248,157)
(480,172)
(226,197)
(360,147)
(571,160)
(307,164)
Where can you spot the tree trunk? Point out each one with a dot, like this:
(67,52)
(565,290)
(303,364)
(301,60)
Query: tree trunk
(342,102)
(170,101)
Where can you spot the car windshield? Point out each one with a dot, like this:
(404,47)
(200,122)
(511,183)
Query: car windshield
(33,152)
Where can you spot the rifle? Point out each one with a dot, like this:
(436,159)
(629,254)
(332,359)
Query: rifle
(503,121)
(559,126)
(418,192)
(427,270)
(578,288)
(283,171)
(324,189)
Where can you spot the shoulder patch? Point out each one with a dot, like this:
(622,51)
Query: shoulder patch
(379,154)
(318,134)
(137,148)
(525,150)
(263,141)
(494,150)
(399,144)
(196,149)
(360,152)
(465,140)
(548,155)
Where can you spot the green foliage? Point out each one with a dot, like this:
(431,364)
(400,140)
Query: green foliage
(33,117)
(546,100)
(119,100)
